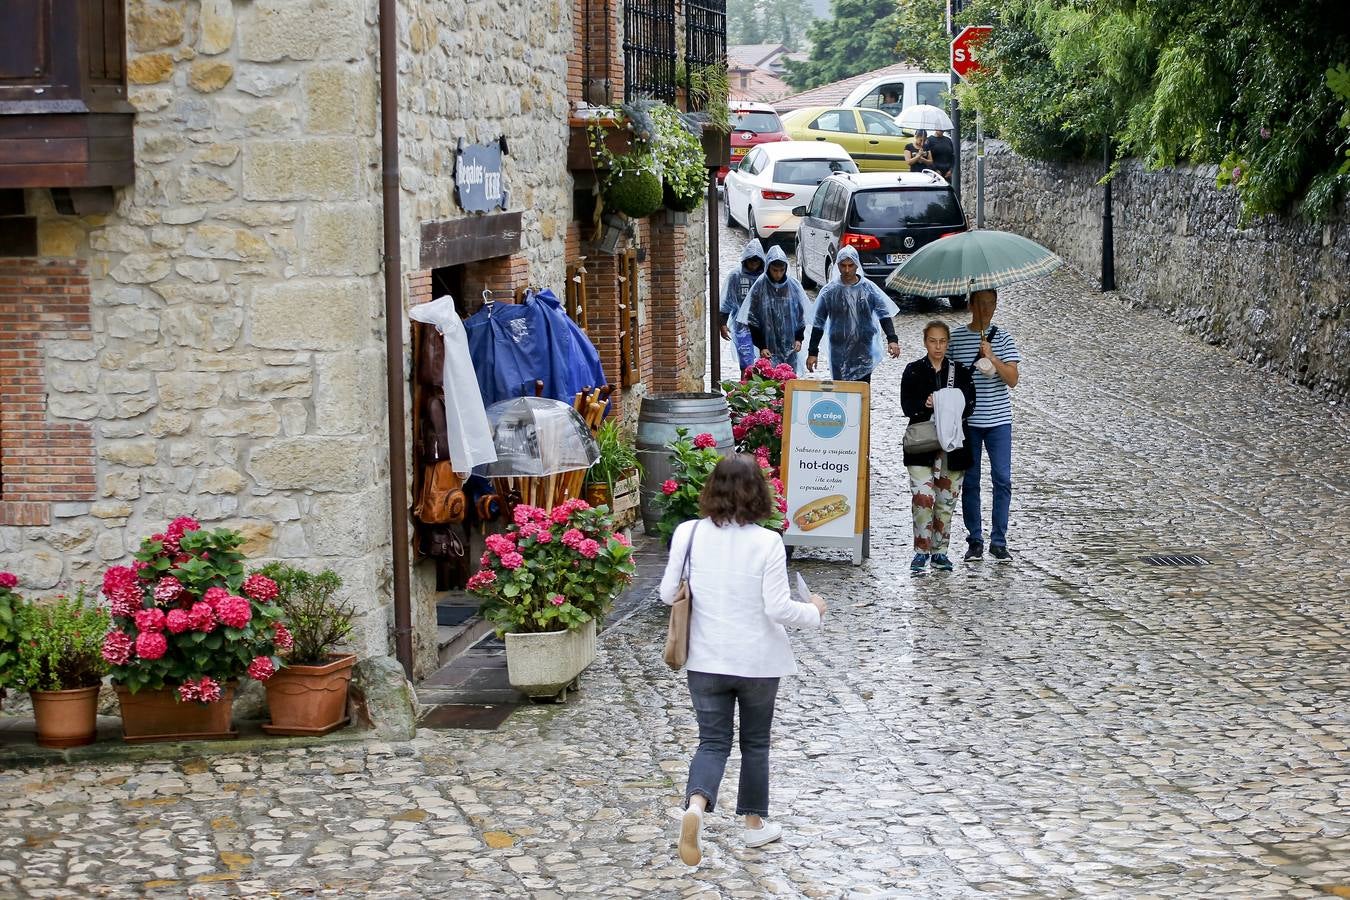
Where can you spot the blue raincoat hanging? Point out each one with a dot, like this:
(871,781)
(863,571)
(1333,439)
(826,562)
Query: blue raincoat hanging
(510,347)
(775,312)
(581,361)
(734,291)
(854,313)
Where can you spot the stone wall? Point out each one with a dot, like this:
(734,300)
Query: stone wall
(1274,292)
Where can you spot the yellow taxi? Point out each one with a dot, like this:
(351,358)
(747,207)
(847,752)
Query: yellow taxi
(870,136)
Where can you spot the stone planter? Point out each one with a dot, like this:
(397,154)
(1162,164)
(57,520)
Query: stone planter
(66,718)
(160,716)
(309,699)
(546,665)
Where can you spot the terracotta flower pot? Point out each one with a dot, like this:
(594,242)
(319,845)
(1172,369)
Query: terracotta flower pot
(66,718)
(160,716)
(309,699)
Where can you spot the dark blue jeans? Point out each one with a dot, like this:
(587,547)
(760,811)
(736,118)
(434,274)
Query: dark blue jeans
(715,700)
(998,441)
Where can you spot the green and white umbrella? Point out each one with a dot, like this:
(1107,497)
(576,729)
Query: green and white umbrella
(972,261)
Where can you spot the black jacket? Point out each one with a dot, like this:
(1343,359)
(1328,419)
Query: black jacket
(916,384)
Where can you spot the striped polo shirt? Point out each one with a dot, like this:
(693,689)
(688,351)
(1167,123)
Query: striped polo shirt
(993,400)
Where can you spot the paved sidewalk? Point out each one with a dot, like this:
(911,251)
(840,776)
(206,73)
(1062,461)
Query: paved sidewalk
(1075,723)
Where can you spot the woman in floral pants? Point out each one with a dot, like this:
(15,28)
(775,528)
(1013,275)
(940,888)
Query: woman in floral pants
(934,477)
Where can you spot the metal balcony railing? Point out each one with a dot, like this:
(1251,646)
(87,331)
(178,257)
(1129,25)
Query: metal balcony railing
(705,42)
(649,49)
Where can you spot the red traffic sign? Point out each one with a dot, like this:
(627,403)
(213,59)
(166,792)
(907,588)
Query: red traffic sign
(966,48)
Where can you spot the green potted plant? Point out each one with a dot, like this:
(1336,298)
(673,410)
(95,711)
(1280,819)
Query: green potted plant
(11,629)
(661,161)
(187,623)
(545,581)
(60,663)
(692,460)
(613,479)
(308,695)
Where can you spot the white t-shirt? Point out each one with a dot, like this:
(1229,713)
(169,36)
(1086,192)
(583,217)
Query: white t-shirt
(738,575)
(993,400)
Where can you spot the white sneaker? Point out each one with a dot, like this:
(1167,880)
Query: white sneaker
(691,848)
(765,834)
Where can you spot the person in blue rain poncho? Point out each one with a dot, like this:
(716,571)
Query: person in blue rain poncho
(853,307)
(734,292)
(775,312)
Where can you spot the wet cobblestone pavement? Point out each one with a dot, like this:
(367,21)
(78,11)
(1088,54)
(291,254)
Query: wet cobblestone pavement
(1075,723)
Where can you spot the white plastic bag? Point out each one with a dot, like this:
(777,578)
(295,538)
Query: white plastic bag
(466,420)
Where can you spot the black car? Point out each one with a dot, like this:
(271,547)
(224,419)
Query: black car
(885,216)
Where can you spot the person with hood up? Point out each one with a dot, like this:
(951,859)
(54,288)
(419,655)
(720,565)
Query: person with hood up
(853,306)
(775,312)
(734,292)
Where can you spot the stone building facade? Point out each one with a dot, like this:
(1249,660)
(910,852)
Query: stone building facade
(213,345)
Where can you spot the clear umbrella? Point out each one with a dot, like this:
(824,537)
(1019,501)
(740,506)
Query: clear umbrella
(537,436)
(921,115)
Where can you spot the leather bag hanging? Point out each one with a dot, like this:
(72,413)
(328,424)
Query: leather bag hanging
(430,355)
(922,437)
(677,630)
(441,499)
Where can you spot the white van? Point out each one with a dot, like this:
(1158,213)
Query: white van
(910,89)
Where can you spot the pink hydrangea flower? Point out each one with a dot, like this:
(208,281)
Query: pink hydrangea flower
(202,617)
(589,549)
(261,588)
(558,600)
(117,648)
(500,543)
(705,441)
(261,668)
(8,580)
(481,579)
(572,538)
(234,611)
(177,621)
(208,689)
(739,432)
(282,637)
(669,486)
(623,539)
(214,595)
(512,560)
(187,691)
(151,645)
(561,514)
(183,524)
(150,619)
(544,536)
(485,560)
(168,589)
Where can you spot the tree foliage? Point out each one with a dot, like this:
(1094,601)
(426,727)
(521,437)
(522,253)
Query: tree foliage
(1243,84)
(768,22)
(860,36)
(920,29)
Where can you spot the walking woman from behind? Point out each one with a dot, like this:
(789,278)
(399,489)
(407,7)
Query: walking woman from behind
(738,649)
(935,476)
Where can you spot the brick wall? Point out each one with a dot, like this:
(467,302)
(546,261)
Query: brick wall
(669,355)
(41,462)
(604,19)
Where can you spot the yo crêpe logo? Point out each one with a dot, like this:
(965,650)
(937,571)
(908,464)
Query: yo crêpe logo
(825,418)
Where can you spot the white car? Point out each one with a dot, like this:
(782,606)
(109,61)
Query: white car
(774,178)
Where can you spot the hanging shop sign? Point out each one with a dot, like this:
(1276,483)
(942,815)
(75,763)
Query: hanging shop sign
(478,177)
(824,464)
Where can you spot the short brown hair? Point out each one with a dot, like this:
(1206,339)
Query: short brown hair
(936,324)
(736,492)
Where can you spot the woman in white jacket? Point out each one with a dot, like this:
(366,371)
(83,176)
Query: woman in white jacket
(738,648)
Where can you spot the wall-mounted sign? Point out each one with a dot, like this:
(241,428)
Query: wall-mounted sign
(824,464)
(478,177)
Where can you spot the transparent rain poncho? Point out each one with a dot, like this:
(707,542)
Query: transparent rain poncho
(778,310)
(466,420)
(734,291)
(538,436)
(852,312)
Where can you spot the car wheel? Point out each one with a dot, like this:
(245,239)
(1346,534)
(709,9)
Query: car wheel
(727,220)
(750,225)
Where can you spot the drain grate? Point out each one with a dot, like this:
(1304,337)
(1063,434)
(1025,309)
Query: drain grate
(1176,559)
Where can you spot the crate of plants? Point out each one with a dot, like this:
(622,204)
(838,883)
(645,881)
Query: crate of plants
(613,479)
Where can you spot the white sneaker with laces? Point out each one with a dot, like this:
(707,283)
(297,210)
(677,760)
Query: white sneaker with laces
(765,834)
(691,848)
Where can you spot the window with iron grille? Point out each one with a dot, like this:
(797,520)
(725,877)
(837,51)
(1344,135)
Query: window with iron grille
(649,49)
(705,42)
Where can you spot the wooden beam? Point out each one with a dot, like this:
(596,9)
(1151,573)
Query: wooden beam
(453,242)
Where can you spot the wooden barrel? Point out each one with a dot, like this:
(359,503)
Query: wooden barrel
(660,415)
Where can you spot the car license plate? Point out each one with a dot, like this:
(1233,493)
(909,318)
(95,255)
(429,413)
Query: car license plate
(895,259)
(738,152)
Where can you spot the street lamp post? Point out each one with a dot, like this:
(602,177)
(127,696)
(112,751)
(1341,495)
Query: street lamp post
(1108,237)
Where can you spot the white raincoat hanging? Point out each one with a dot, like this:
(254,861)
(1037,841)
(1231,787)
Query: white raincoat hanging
(466,420)
(853,312)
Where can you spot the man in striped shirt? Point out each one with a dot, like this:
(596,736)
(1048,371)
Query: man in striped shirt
(993,358)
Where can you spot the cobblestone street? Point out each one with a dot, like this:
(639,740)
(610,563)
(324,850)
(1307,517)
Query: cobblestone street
(1074,723)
